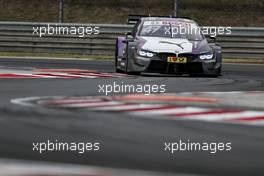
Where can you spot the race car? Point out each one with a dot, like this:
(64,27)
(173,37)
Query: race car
(167,45)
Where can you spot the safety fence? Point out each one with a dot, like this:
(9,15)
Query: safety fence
(20,37)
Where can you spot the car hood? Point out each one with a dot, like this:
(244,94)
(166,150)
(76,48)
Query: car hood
(171,45)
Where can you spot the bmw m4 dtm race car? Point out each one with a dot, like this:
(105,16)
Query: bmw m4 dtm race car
(167,45)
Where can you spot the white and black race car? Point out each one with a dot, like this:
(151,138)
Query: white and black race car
(167,45)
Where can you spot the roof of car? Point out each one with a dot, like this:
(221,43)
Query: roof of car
(133,19)
(168,19)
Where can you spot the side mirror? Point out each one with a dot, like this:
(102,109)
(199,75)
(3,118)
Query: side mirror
(128,33)
(129,36)
(212,39)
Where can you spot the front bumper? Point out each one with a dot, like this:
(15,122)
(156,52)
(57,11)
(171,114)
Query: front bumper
(159,64)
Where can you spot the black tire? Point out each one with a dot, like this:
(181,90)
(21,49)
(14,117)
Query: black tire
(116,69)
(127,65)
(130,72)
(116,53)
(218,72)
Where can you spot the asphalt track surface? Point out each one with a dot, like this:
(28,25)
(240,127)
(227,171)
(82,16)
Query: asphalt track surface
(128,142)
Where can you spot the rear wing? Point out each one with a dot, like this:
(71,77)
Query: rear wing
(133,19)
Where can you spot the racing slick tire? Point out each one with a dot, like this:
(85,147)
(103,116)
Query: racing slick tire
(218,72)
(130,72)
(116,54)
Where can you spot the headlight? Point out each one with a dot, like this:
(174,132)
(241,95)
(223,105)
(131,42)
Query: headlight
(145,53)
(206,56)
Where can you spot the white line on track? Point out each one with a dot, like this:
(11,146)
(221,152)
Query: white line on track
(170,110)
(68,101)
(87,105)
(226,116)
(129,107)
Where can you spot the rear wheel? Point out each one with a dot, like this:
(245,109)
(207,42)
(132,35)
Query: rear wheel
(116,69)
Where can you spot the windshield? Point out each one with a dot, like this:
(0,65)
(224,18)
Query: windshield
(180,30)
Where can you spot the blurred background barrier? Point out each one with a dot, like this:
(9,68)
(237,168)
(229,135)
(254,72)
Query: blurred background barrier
(239,13)
(18,36)
(246,18)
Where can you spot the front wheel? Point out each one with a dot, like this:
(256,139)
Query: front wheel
(218,72)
